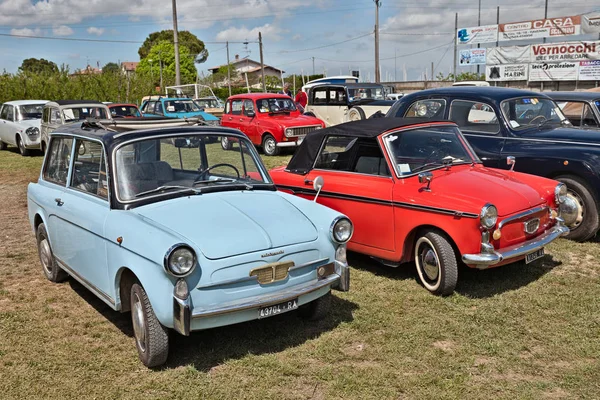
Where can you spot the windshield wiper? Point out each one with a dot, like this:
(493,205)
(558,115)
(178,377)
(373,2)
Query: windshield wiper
(544,122)
(420,167)
(214,180)
(168,187)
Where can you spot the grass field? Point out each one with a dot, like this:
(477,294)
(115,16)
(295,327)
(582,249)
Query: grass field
(516,332)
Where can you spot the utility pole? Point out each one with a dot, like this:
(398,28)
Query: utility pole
(544,39)
(497,21)
(228,69)
(395,65)
(479,24)
(432,71)
(377,5)
(455,49)
(262,64)
(313,66)
(176,43)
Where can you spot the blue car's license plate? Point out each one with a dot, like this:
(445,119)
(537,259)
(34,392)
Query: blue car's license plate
(280,308)
(534,256)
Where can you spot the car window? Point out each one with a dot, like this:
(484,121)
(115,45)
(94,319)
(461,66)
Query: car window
(429,109)
(578,113)
(58,160)
(124,111)
(46,115)
(158,108)
(30,111)
(319,96)
(149,107)
(532,112)
(474,116)
(80,113)
(8,112)
(351,154)
(55,116)
(588,117)
(236,107)
(89,173)
(337,97)
(248,106)
(4,112)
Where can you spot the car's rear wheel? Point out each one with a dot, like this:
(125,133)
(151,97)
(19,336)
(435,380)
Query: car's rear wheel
(316,309)
(356,114)
(436,264)
(2,145)
(226,143)
(269,145)
(151,338)
(580,211)
(49,265)
(24,151)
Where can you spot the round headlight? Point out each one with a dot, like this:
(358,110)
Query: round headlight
(180,260)
(488,216)
(341,230)
(32,131)
(560,193)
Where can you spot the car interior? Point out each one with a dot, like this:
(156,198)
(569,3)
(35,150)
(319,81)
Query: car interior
(360,155)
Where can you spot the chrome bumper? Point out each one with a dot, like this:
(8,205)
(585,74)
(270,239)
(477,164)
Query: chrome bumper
(483,260)
(290,144)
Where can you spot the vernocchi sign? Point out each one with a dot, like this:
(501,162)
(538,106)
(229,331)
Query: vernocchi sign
(478,34)
(571,51)
(564,71)
(516,72)
(540,28)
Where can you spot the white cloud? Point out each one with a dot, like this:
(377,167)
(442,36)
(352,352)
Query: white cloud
(26,32)
(92,30)
(62,30)
(243,33)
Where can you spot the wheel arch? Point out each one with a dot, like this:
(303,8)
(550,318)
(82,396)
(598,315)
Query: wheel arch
(124,281)
(408,251)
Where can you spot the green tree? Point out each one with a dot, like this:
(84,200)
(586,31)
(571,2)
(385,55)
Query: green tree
(194,45)
(463,76)
(111,68)
(164,52)
(38,66)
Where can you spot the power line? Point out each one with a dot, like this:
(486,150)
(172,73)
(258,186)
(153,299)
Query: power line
(98,40)
(323,46)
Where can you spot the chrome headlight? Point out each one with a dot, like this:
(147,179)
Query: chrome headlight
(488,216)
(32,131)
(560,193)
(180,260)
(289,132)
(341,230)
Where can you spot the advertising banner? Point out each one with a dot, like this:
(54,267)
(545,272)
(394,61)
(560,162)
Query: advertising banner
(478,34)
(472,57)
(508,55)
(589,70)
(590,23)
(564,71)
(540,28)
(570,51)
(515,72)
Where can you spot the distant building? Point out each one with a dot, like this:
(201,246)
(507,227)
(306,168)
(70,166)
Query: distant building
(244,66)
(89,70)
(129,67)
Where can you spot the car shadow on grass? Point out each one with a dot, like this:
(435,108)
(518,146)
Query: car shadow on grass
(210,348)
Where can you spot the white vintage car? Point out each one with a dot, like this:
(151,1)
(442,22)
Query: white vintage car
(20,124)
(344,102)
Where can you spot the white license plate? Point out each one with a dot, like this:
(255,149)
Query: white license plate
(534,256)
(275,309)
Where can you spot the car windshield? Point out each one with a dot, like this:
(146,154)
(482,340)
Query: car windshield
(597,102)
(527,112)
(275,105)
(124,111)
(81,113)
(427,148)
(187,164)
(375,93)
(207,103)
(30,111)
(181,106)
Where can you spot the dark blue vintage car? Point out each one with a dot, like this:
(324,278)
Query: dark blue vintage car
(503,122)
(581,108)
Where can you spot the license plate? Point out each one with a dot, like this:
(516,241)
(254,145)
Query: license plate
(276,309)
(534,256)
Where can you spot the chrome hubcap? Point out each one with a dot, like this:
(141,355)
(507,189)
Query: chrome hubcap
(224,143)
(572,210)
(430,264)
(46,256)
(270,146)
(139,325)
(354,116)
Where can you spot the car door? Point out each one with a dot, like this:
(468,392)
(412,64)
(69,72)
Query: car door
(4,127)
(249,120)
(232,118)
(323,107)
(357,182)
(84,210)
(9,128)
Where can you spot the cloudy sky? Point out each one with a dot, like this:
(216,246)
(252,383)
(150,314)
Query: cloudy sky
(337,33)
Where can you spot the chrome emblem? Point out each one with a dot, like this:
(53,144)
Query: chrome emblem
(272,253)
(531,226)
(272,272)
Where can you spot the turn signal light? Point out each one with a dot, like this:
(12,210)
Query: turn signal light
(497,234)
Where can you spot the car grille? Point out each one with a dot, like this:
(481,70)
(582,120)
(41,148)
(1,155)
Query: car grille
(301,130)
(272,272)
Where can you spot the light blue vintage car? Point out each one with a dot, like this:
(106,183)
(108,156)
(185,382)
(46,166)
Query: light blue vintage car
(166,224)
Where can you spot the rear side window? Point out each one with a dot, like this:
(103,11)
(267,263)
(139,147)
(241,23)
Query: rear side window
(58,161)
(236,107)
(578,113)
(429,108)
(360,155)
(89,173)
(55,116)
(473,116)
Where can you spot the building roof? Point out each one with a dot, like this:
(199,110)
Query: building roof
(244,60)
(129,65)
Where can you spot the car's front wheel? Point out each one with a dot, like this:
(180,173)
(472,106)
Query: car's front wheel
(316,309)
(49,265)
(22,149)
(581,212)
(436,264)
(356,114)
(151,338)
(226,143)
(269,145)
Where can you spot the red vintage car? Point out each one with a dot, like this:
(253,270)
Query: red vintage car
(417,191)
(124,110)
(269,120)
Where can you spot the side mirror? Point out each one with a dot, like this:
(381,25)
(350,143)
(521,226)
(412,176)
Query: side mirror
(250,114)
(318,185)
(510,160)
(426,177)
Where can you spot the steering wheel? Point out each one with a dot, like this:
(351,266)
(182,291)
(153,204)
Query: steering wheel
(435,151)
(539,116)
(202,174)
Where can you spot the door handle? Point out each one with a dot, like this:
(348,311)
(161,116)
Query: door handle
(230,118)
(59,202)
(241,120)
(308,182)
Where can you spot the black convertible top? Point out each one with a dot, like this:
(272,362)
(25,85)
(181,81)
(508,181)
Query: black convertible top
(305,156)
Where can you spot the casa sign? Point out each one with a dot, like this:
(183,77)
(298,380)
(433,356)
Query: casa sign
(540,28)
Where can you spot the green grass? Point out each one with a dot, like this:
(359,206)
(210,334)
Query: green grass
(515,332)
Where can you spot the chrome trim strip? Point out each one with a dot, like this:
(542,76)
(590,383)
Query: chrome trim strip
(263,301)
(534,140)
(482,260)
(103,296)
(522,215)
(254,278)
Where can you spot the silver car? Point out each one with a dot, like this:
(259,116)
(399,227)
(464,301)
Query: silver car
(20,124)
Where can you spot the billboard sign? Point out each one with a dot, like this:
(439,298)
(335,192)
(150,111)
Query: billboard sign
(590,23)
(508,55)
(514,72)
(478,34)
(570,51)
(472,57)
(540,28)
(589,70)
(563,71)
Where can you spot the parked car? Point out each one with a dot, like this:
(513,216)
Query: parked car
(57,113)
(270,120)
(581,108)
(416,191)
(211,105)
(338,103)
(118,110)
(20,124)
(175,107)
(173,229)
(500,122)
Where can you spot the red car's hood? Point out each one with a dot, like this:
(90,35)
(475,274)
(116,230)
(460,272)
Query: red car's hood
(290,120)
(467,189)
